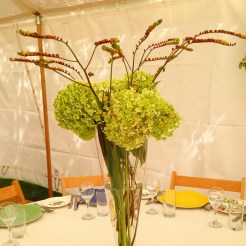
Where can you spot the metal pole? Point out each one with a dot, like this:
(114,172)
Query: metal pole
(45,110)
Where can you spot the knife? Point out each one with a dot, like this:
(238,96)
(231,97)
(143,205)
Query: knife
(71,201)
(238,217)
(76,202)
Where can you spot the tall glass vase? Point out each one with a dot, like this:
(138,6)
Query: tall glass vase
(124,207)
(123,184)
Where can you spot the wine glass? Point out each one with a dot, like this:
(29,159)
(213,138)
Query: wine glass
(215,197)
(8,213)
(152,185)
(87,191)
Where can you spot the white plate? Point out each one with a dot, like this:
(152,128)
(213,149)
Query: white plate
(224,208)
(56,202)
(33,212)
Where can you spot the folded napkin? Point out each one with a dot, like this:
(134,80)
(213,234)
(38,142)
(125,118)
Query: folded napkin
(93,200)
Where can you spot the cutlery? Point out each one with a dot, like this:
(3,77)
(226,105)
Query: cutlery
(46,209)
(76,202)
(208,206)
(149,201)
(239,217)
(71,201)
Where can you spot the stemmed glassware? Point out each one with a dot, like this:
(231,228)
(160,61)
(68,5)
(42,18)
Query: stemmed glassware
(152,184)
(87,191)
(215,197)
(8,213)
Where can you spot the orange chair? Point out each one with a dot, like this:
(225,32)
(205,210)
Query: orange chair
(207,183)
(74,182)
(12,193)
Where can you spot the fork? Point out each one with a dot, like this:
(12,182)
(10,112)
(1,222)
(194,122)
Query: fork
(46,209)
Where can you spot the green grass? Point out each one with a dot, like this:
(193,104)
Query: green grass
(32,191)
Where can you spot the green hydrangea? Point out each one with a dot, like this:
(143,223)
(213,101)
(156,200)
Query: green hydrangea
(76,109)
(135,111)
(133,116)
(141,80)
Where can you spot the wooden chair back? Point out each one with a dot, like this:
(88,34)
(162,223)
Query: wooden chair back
(74,182)
(12,193)
(207,183)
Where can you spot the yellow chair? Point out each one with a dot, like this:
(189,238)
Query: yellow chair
(207,183)
(74,182)
(12,193)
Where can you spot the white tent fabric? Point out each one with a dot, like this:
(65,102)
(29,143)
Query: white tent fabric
(206,87)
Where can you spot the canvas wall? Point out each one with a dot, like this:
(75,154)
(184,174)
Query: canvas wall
(206,87)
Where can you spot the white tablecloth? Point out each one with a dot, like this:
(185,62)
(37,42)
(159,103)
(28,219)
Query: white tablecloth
(64,227)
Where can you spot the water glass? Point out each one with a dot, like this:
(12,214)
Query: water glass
(169,203)
(19,225)
(152,184)
(8,213)
(236,211)
(87,191)
(102,206)
(216,198)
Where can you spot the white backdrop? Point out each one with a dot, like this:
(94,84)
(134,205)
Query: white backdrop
(206,87)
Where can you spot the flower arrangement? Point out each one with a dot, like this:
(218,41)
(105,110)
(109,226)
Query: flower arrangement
(127,110)
(128,115)
(124,112)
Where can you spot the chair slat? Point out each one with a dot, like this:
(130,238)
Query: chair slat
(74,182)
(207,183)
(12,193)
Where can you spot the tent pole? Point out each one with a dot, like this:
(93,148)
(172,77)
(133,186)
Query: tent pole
(45,110)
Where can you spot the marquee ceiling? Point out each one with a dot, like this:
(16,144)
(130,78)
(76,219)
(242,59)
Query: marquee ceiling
(15,10)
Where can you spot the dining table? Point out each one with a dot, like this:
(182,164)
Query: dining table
(65,227)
